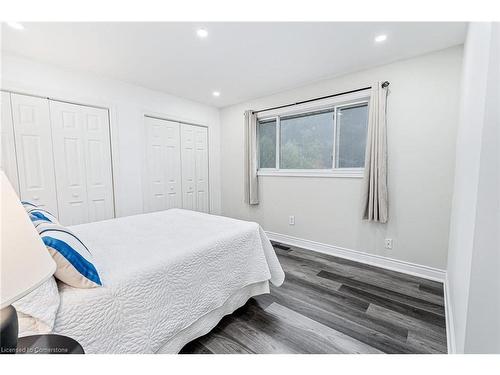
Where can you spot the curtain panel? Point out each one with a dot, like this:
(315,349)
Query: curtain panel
(375,194)
(251,183)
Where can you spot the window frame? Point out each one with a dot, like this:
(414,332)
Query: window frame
(348,100)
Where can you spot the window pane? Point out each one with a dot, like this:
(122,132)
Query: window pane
(267,144)
(307,141)
(352,126)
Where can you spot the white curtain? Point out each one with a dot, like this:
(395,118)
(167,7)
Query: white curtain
(251,185)
(375,200)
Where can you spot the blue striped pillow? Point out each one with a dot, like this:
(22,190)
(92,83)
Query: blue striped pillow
(74,260)
(38,214)
(28,205)
(41,214)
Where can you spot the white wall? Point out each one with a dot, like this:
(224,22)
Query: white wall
(422,118)
(474,260)
(127,104)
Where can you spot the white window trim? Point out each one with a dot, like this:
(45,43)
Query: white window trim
(335,172)
(330,103)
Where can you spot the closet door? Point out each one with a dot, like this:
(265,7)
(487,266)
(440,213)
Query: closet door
(9,164)
(82,162)
(99,177)
(33,142)
(194,143)
(201,168)
(163,165)
(188,167)
(67,134)
(155,176)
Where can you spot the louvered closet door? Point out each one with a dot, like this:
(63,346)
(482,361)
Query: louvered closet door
(9,164)
(163,165)
(82,163)
(194,156)
(34,150)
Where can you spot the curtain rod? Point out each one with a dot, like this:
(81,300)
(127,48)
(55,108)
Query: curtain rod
(384,85)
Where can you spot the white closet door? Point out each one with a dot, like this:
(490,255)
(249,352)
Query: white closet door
(98,163)
(163,165)
(194,143)
(188,167)
(82,163)
(34,150)
(201,168)
(173,164)
(155,176)
(9,164)
(69,157)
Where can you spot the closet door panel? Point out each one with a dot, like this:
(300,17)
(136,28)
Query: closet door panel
(201,168)
(96,137)
(163,165)
(69,162)
(82,156)
(9,163)
(33,142)
(173,164)
(188,167)
(155,179)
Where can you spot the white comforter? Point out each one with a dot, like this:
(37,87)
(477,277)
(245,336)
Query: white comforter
(161,272)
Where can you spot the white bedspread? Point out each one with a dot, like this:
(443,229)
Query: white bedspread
(161,272)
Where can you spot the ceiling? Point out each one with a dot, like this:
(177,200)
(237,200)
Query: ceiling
(240,60)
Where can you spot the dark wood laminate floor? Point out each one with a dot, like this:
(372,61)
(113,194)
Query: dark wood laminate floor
(333,305)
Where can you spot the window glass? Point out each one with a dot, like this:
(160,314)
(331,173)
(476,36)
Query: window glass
(352,125)
(306,141)
(267,143)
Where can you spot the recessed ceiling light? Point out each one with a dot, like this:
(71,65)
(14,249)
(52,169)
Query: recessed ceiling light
(216,93)
(380,38)
(15,25)
(202,33)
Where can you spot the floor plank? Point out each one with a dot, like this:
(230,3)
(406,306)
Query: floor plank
(329,339)
(366,288)
(340,309)
(361,332)
(364,273)
(406,278)
(398,305)
(333,305)
(417,329)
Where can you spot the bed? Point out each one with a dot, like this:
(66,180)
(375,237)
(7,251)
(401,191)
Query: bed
(168,278)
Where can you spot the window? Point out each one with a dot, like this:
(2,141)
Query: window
(352,125)
(326,141)
(306,141)
(267,144)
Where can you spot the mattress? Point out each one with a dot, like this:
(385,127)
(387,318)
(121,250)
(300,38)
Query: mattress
(162,272)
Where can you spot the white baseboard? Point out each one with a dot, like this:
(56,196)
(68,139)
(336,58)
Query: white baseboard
(450,328)
(425,272)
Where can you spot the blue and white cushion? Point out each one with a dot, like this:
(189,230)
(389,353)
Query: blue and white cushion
(37,213)
(28,205)
(39,216)
(74,261)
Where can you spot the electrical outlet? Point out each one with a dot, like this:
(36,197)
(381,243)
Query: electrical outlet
(291,220)
(388,243)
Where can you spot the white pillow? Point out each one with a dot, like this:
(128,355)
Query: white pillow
(73,259)
(36,311)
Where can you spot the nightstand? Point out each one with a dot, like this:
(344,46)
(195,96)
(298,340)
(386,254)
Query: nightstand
(48,344)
